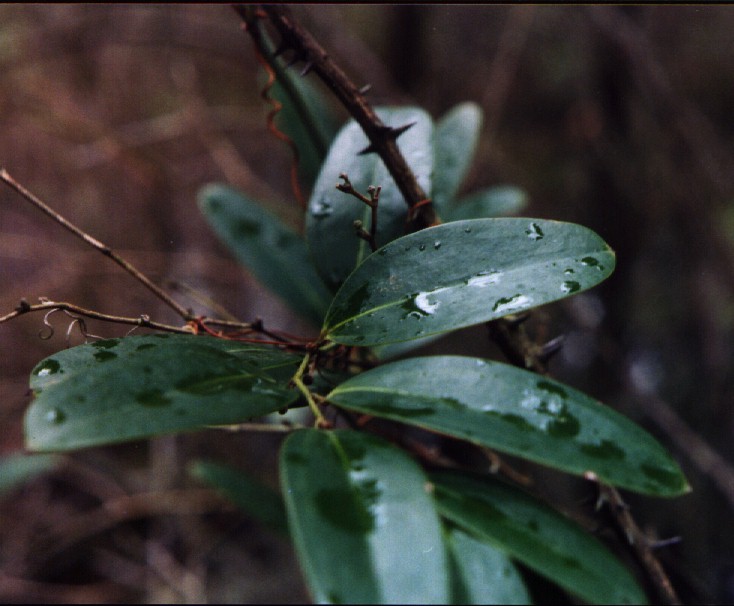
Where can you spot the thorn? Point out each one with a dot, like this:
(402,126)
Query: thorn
(665,542)
(306,68)
(365,89)
(394,133)
(551,348)
(388,132)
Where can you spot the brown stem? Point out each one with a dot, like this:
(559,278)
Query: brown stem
(373,202)
(382,138)
(639,543)
(142,320)
(96,244)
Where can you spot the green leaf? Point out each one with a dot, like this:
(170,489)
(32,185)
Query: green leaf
(364,528)
(492,202)
(462,273)
(18,468)
(335,248)
(305,118)
(538,536)
(123,389)
(483,574)
(454,143)
(260,501)
(518,412)
(304,115)
(276,255)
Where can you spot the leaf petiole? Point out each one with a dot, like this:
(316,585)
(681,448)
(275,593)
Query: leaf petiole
(297,380)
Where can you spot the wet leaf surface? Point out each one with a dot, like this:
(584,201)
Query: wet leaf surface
(518,412)
(150,385)
(483,574)
(364,527)
(462,273)
(538,536)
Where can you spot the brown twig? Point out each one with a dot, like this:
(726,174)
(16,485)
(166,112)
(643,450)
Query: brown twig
(143,320)
(96,244)
(640,544)
(239,329)
(382,137)
(369,236)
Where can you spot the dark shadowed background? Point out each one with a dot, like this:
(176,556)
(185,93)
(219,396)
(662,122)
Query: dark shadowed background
(618,118)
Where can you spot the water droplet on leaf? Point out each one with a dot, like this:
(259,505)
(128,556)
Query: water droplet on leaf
(47,367)
(484,278)
(592,262)
(55,416)
(507,304)
(534,232)
(570,286)
(319,210)
(104,356)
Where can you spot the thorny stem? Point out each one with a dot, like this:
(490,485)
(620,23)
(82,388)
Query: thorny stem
(382,138)
(639,543)
(94,243)
(373,201)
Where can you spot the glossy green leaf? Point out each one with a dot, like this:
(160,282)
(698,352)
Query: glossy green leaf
(482,574)
(123,389)
(335,248)
(18,468)
(462,273)
(364,527)
(454,143)
(275,254)
(495,201)
(260,501)
(518,412)
(538,536)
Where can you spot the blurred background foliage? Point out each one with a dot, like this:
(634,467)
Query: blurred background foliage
(618,118)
